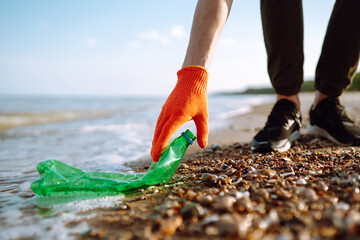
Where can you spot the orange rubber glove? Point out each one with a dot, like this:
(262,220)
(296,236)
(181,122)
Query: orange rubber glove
(188,101)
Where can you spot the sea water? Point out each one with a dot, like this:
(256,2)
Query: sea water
(90,133)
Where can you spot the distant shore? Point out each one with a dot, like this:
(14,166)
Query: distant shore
(307,86)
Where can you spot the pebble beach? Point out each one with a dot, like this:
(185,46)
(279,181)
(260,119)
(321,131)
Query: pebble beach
(227,191)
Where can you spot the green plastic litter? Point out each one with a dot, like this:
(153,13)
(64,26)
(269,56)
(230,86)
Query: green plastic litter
(57,177)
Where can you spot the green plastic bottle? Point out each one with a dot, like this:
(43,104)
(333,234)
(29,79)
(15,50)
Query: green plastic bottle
(57,177)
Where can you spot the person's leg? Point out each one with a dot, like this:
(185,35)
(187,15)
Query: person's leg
(340,52)
(335,70)
(282,22)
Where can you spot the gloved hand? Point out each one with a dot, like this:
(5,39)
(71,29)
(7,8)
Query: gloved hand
(188,101)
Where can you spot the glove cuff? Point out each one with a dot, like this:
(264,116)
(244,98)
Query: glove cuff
(193,79)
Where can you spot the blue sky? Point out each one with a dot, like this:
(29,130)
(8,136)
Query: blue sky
(132,47)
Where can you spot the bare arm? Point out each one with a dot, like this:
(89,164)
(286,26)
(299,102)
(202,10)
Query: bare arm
(209,20)
(188,100)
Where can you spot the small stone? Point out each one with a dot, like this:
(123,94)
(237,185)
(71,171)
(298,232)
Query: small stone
(315,173)
(301,206)
(212,231)
(260,195)
(171,204)
(243,184)
(335,179)
(209,220)
(97,234)
(209,179)
(355,177)
(266,172)
(192,211)
(183,166)
(238,195)
(352,222)
(180,192)
(328,231)
(288,161)
(206,201)
(244,205)
(191,176)
(190,194)
(230,172)
(170,225)
(322,187)
(124,206)
(272,218)
(356,195)
(283,194)
(343,206)
(223,180)
(236,181)
(214,147)
(301,182)
(223,167)
(330,199)
(206,169)
(224,203)
(286,174)
(227,225)
(260,208)
(308,194)
(170,208)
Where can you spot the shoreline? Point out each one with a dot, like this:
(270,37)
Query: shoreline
(242,128)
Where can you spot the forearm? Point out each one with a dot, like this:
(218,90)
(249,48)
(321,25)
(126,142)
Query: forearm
(209,20)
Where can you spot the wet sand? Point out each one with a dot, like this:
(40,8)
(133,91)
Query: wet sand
(229,192)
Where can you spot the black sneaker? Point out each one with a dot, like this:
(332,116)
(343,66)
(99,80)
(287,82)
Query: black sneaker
(281,129)
(329,120)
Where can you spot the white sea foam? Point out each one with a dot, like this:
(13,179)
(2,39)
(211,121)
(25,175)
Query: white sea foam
(49,228)
(11,120)
(114,127)
(53,224)
(234,113)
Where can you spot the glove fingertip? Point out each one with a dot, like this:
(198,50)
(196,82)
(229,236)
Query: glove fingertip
(155,157)
(202,143)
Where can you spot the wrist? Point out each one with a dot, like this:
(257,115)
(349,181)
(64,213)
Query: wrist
(193,79)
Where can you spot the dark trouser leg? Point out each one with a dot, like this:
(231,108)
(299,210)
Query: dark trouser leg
(282,22)
(341,49)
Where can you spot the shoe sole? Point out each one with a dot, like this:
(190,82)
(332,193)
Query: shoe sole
(316,131)
(266,147)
